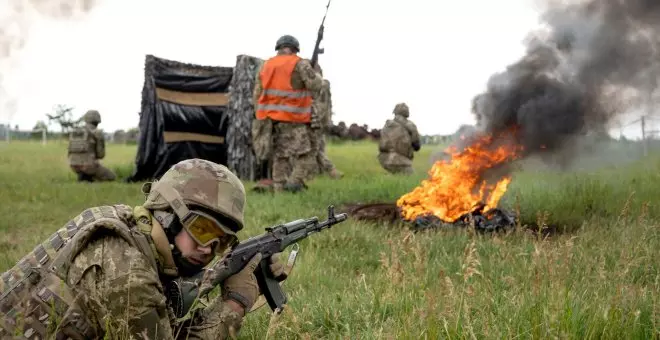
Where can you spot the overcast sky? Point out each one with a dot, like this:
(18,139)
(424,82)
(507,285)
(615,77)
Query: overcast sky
(433,55)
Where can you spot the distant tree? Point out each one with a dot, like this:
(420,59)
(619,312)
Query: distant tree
(119,136)
(133,134)
(40,125)
(63,115)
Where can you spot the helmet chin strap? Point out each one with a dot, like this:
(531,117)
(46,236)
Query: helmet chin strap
(165,219)
(174,200)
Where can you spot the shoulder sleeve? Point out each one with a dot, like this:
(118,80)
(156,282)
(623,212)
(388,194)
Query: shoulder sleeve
(122,289)
(414,135)
(258,87)
(312,80)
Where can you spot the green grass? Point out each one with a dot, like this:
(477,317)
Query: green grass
(599,279)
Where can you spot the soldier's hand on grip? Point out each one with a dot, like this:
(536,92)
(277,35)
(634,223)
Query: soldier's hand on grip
(277,267)
(242,287)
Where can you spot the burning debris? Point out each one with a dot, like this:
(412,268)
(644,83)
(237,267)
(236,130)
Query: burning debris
(485,221)
(461,191)
(389,213)
(471,180)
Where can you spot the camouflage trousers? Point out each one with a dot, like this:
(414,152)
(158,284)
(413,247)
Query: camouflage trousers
(93,173)
(292,170)
(395,163)
(324,163)
(294,153)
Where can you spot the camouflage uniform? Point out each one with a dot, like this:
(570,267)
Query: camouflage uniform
(86,147)
(399,140)
(106,271)
(322,114)
(293,144)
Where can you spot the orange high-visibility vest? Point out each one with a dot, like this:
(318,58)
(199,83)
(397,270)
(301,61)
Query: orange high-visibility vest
(278,100)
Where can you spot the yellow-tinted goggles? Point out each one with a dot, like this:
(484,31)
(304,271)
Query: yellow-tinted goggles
(206,231)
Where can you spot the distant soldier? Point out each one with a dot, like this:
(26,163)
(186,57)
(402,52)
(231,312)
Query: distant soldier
(86,148)
(107,273)
(399,139)
(283,94)
(321,124)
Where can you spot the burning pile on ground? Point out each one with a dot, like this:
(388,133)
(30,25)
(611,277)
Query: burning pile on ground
(466,188)
(462,191)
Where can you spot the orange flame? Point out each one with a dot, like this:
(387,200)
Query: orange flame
(455,187)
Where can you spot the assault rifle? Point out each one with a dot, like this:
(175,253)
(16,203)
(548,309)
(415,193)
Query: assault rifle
(183,292)
(317,49)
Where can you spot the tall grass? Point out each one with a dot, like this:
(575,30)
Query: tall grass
(600,278)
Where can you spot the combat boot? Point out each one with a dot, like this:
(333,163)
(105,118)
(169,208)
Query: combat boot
(264,185)
(295,187)
(336,174)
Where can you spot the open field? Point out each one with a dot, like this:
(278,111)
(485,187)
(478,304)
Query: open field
(600,278)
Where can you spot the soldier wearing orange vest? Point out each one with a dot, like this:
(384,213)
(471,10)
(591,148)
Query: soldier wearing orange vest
(283,95)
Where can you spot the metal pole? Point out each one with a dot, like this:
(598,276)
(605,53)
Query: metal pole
(644,136)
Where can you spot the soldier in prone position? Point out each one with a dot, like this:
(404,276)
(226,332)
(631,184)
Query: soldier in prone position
(103,274)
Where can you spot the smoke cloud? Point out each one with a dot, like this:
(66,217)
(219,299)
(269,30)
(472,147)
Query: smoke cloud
(593,61)
(16,20)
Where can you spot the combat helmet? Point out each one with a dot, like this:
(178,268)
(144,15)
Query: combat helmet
(197,185)
(401,109)
(287,41)
(92,117)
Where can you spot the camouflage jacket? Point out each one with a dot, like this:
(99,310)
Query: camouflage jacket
(102,272)
(86,145)
(399,135)
(322,107)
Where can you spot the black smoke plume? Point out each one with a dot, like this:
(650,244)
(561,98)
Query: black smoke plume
(593,61)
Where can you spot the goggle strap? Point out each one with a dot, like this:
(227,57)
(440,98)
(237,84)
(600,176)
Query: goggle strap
(176,202)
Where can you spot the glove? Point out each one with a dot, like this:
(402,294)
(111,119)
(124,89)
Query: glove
(277,267)
(242,287)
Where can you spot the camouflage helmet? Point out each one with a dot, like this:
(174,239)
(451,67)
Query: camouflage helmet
(401,109)
(287,41)
(92,117)
(199,184)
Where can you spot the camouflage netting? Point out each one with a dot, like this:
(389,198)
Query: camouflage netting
(192,131)
(241,157)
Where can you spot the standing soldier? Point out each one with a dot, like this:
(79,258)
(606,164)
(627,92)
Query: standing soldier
(106,273)
(321,123)
(283,94)
(399,139)
(86,148)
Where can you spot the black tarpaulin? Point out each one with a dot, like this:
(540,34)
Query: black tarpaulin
(183,116)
